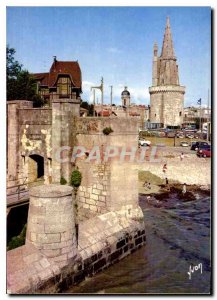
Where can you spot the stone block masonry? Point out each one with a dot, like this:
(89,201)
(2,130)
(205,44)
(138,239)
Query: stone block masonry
(51,225)
(52,259)
(94,192)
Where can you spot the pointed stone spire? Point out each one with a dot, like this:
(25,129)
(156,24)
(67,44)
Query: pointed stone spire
(167,48)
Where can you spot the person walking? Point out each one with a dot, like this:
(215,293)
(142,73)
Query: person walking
(164,170)
(184,189)
(167,184)
(182,156)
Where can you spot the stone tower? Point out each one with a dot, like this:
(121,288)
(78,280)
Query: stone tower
(166,94)
(125,97)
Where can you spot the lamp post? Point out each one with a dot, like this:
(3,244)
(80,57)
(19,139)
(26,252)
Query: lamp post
(111,97)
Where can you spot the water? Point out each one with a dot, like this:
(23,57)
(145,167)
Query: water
(177,237)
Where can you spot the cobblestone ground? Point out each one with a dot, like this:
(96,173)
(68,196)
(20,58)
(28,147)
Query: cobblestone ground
(191,170)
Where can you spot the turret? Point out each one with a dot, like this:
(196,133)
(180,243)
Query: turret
(154,65)
(167,48)
(168,71)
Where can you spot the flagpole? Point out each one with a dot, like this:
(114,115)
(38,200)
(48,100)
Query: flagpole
(200,117)
(208,119)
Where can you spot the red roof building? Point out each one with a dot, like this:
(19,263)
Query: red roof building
(63,79)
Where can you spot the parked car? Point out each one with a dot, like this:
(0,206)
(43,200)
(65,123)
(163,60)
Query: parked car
(196,145)
(144,143)
(180,135)
(171,134)
(204,152)
(190,136)
(184,144)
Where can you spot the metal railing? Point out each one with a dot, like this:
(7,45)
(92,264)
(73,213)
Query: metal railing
(19,192)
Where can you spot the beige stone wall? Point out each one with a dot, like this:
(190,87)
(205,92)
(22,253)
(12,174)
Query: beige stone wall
(13,138)
(51,222)
(94,192)
(173,106)
(167,102)
(107,185)
(35,138)
(156,108)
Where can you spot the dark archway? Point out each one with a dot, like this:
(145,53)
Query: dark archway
(36,167)
(16,219)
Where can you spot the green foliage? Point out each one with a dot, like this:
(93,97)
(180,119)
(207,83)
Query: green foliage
(13,66)
(21,85)
(107,130)
(89,107)
(76,178)
(63,180)
(17,241)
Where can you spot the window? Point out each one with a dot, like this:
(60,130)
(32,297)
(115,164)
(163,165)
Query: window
(64,86)
(180,113)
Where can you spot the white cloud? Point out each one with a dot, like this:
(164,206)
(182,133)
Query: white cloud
(114,50)
(86,83)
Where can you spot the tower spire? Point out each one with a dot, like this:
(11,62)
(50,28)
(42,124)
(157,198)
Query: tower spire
(167,48)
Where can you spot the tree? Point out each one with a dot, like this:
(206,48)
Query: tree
(13,66)
(89,107)
(21,85)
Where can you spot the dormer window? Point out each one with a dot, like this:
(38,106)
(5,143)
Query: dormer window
(64,86)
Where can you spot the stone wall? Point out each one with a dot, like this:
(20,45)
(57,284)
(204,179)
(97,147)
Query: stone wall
(53,259)
(13,147)
(107,185)
(94,193)
(167,102)
(35,130)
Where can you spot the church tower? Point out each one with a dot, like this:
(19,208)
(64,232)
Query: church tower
(125,97)
(166,94)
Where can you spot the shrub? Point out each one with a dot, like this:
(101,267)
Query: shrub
(63,180)
(75,179)
(107,130)
(17,241)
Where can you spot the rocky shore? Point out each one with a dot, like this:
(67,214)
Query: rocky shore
(192,171)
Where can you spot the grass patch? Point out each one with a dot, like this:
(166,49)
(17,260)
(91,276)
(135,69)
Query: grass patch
(153,179)
(149,177)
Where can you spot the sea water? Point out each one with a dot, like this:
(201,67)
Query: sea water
(175,259)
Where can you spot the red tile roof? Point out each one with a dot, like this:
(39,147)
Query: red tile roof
(43,77)
(134,114)
(70,68)
(104,113)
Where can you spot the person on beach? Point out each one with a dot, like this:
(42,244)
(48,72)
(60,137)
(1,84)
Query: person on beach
(181,156)
(184,190)
(164,169)
(145,185)
(167,184)
(149,185)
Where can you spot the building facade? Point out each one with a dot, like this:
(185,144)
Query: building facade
(193,116)
(63,80)
(166,93)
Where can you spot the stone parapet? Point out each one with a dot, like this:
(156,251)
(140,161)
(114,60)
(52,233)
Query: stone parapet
(167,89)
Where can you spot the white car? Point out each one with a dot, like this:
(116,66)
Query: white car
(184,144)
(144,143)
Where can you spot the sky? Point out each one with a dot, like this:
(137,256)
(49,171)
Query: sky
(116,43)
